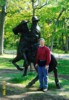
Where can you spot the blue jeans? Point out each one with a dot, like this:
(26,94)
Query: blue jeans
(43,77)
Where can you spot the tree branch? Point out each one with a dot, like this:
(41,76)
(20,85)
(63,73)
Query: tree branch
(61,12)
(43,5)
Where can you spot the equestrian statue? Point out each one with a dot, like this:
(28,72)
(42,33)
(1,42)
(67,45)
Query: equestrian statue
(27,49)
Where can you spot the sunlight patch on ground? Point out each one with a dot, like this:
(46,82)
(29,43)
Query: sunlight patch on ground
(8,56)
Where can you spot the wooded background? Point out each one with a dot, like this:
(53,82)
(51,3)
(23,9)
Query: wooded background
(54,21)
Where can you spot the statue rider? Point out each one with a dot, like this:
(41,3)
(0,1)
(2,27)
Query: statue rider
(34,38)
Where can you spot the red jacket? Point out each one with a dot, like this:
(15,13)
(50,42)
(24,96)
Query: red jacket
(43,53)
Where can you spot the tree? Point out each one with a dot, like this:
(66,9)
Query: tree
(57,20)
(38,4)
(54,35)
(2,19)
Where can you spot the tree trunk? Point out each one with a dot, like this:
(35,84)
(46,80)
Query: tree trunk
(2,19)
(63,48)
(52,40)
(68,43)
(66,49)
(33,8)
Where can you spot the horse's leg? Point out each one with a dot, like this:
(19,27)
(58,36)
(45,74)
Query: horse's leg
(56,78)
(25,68)
(32,82)
(53,67)
(14,62)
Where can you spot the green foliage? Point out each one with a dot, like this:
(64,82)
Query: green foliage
(59,51)
(2,2)
(14,17)
(22,9)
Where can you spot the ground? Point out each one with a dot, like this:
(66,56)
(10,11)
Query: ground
(17,90)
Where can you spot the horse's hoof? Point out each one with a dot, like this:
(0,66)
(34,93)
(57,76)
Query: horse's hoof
(23,75)
(28,86)
(58,86)
(21,69)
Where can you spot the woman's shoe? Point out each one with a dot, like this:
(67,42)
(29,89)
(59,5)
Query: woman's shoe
(44,90)
(40,89)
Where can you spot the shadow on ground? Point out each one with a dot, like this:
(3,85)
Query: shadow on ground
(19,92)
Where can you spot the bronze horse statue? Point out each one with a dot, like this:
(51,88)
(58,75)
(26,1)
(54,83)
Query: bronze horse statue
(28,46)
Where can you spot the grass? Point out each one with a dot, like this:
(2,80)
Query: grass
(6,63)
(59,51)
(23,80)
(63,66)
(15,77)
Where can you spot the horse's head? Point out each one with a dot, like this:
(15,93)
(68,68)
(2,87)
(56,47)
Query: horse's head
(21,28)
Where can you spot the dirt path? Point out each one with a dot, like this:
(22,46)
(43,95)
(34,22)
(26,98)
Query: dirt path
(12,54)
(19,92)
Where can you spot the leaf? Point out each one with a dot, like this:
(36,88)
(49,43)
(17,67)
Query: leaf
(2,2)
